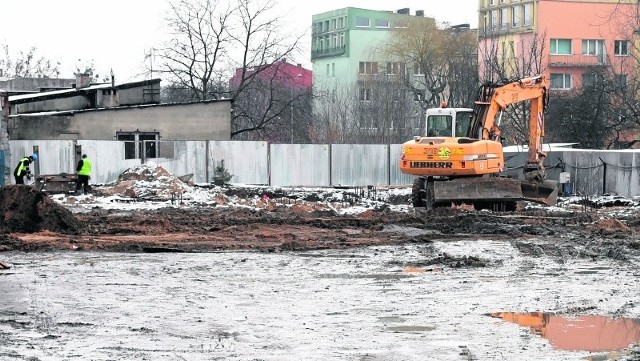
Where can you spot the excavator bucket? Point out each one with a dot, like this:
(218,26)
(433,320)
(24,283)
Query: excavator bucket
(541,192)
(492,190)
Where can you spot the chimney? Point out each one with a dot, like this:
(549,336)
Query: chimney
(82,80)
(420,13)
(403,11)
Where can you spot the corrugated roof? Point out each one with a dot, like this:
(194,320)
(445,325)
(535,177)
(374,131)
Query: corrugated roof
(70,112)
(71,92)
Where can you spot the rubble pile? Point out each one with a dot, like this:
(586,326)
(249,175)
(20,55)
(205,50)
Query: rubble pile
(149,181)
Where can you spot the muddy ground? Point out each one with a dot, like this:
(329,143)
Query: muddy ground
(280,280)
(33,222)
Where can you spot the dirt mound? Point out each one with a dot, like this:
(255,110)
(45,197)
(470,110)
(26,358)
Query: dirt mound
(145,181)
(24,209)
(610,226)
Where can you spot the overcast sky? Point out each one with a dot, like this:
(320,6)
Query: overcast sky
(117,33)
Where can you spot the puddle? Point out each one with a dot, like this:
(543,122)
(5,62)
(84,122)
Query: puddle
(411,328)
(391,319)
(365,276)
(582,333)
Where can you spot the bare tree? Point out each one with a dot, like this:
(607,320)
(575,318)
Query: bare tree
(461,55)
(335,113)
(378,109)
(28,65)
(503,61)
(213,40)
(421,45)
(584,116)
(623,75)
(275,107)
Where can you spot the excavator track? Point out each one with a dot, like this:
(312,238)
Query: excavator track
(495,193)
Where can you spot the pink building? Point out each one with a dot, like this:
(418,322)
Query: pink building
(572,38)
(285,74)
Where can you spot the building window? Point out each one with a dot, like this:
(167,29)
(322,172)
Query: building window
(139,144)
(333,24)
(362,22)
(368,67)
(417,69)
(341,40)
(527,15)
(340,22)
(367,121)
(592,47)
(365,94)
(504,20)
(621,81)
(380,23)
(622,47)
(561,46)
(327,72)
(560,81)
(495,20)
(591,79)
(333,69)
(395,68)
(515,16)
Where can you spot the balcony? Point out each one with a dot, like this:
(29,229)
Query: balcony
(577,60)
(329,52)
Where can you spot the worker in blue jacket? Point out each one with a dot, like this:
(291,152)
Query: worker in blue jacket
(23,170)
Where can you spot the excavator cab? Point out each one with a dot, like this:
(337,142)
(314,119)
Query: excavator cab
(448,122)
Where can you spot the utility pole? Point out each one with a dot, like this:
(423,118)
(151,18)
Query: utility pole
(149,56)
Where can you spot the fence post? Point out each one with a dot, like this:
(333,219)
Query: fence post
(206,161)
(604,177)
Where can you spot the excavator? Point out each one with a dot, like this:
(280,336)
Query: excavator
(460,159)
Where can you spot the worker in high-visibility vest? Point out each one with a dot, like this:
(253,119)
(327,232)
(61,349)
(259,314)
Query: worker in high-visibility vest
(83,170)
(23,170)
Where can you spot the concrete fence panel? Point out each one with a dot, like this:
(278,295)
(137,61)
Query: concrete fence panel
(360,164)
(247,161)
(586,170)
(618,172)
(299,164)
(188,157)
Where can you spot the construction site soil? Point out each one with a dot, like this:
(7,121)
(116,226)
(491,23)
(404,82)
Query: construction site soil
(250,273)
(32,221)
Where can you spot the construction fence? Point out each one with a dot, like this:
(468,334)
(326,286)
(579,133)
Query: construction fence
(586,172)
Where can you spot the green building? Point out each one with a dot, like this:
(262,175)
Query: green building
(353,75)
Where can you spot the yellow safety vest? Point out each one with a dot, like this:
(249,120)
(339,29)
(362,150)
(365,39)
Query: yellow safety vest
(86,167)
